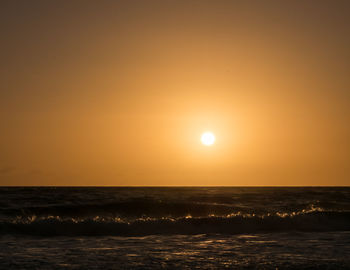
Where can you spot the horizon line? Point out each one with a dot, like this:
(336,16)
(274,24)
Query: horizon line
(181,186)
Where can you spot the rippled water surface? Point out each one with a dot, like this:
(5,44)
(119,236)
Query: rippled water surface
(174,228)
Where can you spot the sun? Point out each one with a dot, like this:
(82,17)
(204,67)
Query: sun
(208,138)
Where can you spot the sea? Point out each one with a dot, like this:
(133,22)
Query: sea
(175,228)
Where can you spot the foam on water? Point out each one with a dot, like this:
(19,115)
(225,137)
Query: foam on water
(308,221)
(147,211)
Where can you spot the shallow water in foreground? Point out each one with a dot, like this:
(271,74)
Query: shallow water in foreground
(174,228)
(248,251)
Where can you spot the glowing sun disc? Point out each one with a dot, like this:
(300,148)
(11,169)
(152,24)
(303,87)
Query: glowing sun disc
(208,138)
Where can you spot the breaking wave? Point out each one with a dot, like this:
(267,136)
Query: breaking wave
(150,211)
(313,220)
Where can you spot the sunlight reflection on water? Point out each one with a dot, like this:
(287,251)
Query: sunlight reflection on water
(268,251)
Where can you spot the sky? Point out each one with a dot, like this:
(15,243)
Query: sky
(119,92)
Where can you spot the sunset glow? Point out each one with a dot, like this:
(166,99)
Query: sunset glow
(121,92)
(187,134)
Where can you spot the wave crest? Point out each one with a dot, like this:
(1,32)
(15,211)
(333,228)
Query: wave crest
(309,221)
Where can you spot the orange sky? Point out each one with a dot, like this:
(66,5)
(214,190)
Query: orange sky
(119,92)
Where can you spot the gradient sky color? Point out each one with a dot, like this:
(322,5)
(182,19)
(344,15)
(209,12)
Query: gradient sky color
(119,92)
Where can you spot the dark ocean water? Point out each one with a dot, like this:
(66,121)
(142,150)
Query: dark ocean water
(174,228)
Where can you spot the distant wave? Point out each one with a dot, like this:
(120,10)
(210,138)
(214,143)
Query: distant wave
(154,209)
(130,208)
(306,221)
